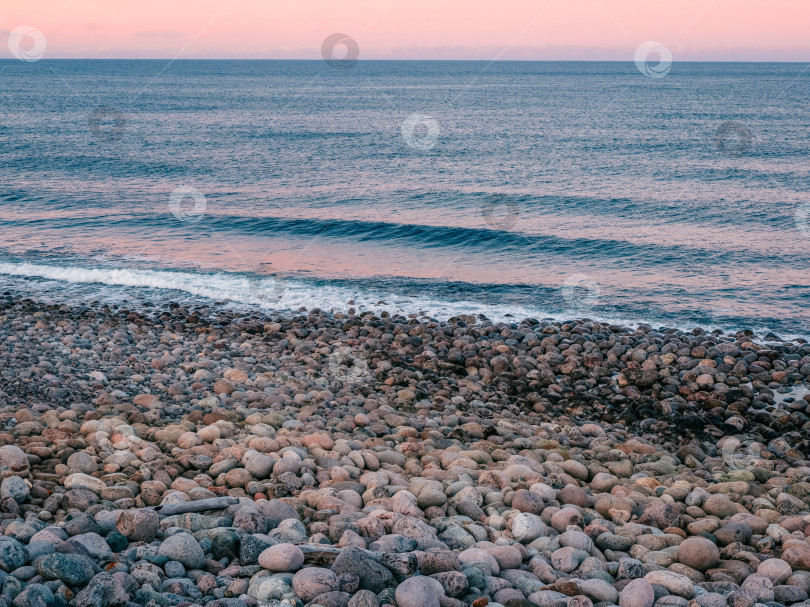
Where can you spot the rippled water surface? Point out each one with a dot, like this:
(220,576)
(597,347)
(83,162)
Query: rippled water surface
(553,189)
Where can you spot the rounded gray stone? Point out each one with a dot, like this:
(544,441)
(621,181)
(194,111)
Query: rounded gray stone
(419,591)
(73,569)
(15,488)
(313,581)
(638,593)
(183,548)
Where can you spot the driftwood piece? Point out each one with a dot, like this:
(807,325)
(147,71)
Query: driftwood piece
(212,503)
(322,555)
(47,476)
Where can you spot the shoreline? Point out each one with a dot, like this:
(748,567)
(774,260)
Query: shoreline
(249,292)
(541,464)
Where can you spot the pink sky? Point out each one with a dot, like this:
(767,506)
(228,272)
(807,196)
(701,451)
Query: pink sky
(752,30)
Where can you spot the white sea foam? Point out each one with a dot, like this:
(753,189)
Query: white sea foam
(270,294)
(266,293)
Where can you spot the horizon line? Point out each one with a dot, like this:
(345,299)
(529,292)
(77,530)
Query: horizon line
(317,60)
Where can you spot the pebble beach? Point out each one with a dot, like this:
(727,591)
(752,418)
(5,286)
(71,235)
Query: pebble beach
(180,456)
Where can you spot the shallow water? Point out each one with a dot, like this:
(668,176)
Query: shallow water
(552,190)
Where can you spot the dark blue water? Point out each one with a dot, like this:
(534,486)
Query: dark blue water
(515,189)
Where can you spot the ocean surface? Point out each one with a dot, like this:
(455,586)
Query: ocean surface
(509,189)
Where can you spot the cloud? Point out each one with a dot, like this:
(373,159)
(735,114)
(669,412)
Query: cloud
(159,34)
